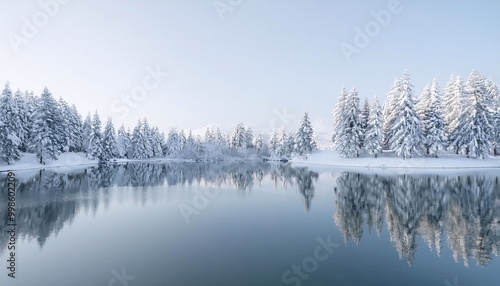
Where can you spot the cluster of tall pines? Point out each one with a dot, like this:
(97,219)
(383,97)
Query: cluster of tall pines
(48,127)
(464,118)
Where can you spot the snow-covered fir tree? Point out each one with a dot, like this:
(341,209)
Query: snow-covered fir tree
(374,137)
(156,140)
(423,102)
(406,130)
(454,101)
(249,138)
(348,141)
(173,145)
(25,108)
(304,142)
(258,142)
(435,137)
(365,116)
(123,142)
(338,111)
(141,146)
(9,127)
(474,134)
(238,138)
(86,133)
(47,120)
(390,111)
(494,94)
(95,140)
(273,143)
(109,146)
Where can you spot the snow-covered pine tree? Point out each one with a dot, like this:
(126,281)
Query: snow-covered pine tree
(475,132)
(494,94)
(173,144)
(209,136)
(25,122)
(406,131)
(350,134)
(123,142)
(273,143)
(304,142)
(423,102)
(435,137)
(146,131)
(9,127)
(338,111)
(109,146)
(374,137)
(156,139)
(390,111)
(76,135)
(454,101)
(46,119)
(365,116)
(238,138)
(95,140)
(258,142)
(86,133)
(249,138)
(290,144)
(64,132)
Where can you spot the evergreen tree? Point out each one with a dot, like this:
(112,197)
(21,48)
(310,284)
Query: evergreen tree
(475,132)
(249,138)
(123,142)
(9,127)
(86,133)
(258,142)
(109,146)
(494,94)
(173,144)
(424,102)
(350,134)
(238,138)
(47,120)
(390,111)
(406,130)
(95,150)
(273,144)
(365,117)
(434,123)
(24,118)
(304,142)
(339,111)
(374,137)
(454,101)
(157,142)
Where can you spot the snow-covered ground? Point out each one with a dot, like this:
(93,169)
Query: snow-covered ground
(30,161)
(389,162)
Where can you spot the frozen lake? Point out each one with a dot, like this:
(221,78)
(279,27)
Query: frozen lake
(251,224)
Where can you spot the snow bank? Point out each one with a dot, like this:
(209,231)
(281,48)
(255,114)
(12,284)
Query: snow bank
(388,161)
(30,161)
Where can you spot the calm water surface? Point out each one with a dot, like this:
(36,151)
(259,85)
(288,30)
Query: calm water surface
(251,224)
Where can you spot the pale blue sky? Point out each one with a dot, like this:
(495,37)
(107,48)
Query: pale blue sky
(264,55)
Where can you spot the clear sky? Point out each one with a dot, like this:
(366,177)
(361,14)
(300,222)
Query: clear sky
(260,62)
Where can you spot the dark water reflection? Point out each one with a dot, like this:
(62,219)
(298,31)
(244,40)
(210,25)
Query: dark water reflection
(461,212)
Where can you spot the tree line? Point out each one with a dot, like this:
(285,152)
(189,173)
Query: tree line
(47,128)
(464,118)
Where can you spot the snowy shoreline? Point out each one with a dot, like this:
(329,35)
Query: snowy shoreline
(389,162)
(324,158)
